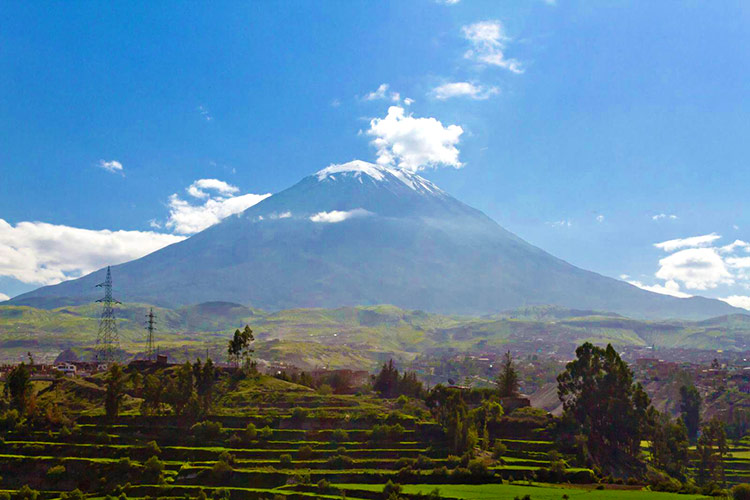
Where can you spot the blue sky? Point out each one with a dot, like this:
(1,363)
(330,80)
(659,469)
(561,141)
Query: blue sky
(594,130)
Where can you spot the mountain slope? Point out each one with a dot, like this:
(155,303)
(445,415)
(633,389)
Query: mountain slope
(359,234)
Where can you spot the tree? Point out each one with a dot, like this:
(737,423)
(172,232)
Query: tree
(18,389)
(601,402)
(115,391)
(153,395)
(239,349)
(669,445)
(386,382)
(711,449)
(205,379)
(507,379)
(690,409)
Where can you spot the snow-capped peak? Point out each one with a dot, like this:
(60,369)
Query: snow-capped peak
(357,168)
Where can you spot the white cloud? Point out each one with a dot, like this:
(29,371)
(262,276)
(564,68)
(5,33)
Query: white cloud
(488,42)
(339,216)
(38,252)
(742,301)
(382,93)
(4,297)
(734,246)
(408,101)
(335,103)
(205,114)
(696,268)
(448,2)
(155,224)
(561,223)
(668,288)
(600,218)
(198,188)
(414,144)
(664,216)
(113,166)
(463,89)
(185,218)
(691,242)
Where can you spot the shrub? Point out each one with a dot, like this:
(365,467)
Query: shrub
(250,433)
(391,489)
(235,440)
(305,452)
(440,471)
(453,461)
(340,462)
(323,485)
(207,430)
(26,493)
(325,390)
(152,447)
(265,433)
(424,462)
(64,434)
(741,492)
(221,469)
(339,436)
(404,462)
(299,414)
(499,449)
(227,457)
(4,495)
(478,468)
(56,471)
(285,460)
(76,494)
(154,466)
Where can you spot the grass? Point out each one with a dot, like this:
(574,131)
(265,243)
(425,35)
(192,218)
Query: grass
(510,491)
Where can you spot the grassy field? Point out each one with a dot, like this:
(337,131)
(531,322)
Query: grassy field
(536,491)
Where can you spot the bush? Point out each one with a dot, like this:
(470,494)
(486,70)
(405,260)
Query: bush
(404,462)
(235,440)
(478,468)
(207,430)
(152,447)
(265,433)
(323,485)
(227,457)
(76,494)
(499,449)
(56,471)
(221,469)
(154,466)
(325,390)
(305,452)
(299,414)
(340,462)
(64,434)
(339,436)
(285,460)
(250,433)
(391,489)
(741,492)
(26,493)
(424,462)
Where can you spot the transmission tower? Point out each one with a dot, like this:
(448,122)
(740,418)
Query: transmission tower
(107,339)
(150,317)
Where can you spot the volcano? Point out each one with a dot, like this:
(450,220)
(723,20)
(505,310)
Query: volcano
(364,234)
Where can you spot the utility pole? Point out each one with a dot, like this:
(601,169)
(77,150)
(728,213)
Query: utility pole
(107,338)
(150,317)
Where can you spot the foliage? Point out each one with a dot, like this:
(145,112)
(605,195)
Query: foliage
(690,409)
(669,445)
(26,493)
(507,379)
(601,402)
(207,430)
(115,391)
(18,389)
(711,450)
(388,384)
(239,349)
(741,492)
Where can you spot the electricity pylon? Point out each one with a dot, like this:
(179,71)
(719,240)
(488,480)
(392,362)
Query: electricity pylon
(107,338)
(150,317)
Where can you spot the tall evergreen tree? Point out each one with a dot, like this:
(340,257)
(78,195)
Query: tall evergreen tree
(386,382)
(18,389)
(690,409)
(115,391)
(507,379)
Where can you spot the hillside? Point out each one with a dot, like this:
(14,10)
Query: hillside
(350,336)
(361,234)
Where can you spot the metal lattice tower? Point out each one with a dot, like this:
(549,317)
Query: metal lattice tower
(150,317)
(107,339)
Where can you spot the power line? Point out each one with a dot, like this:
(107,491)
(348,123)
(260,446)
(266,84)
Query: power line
(150,317)
(107,338)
